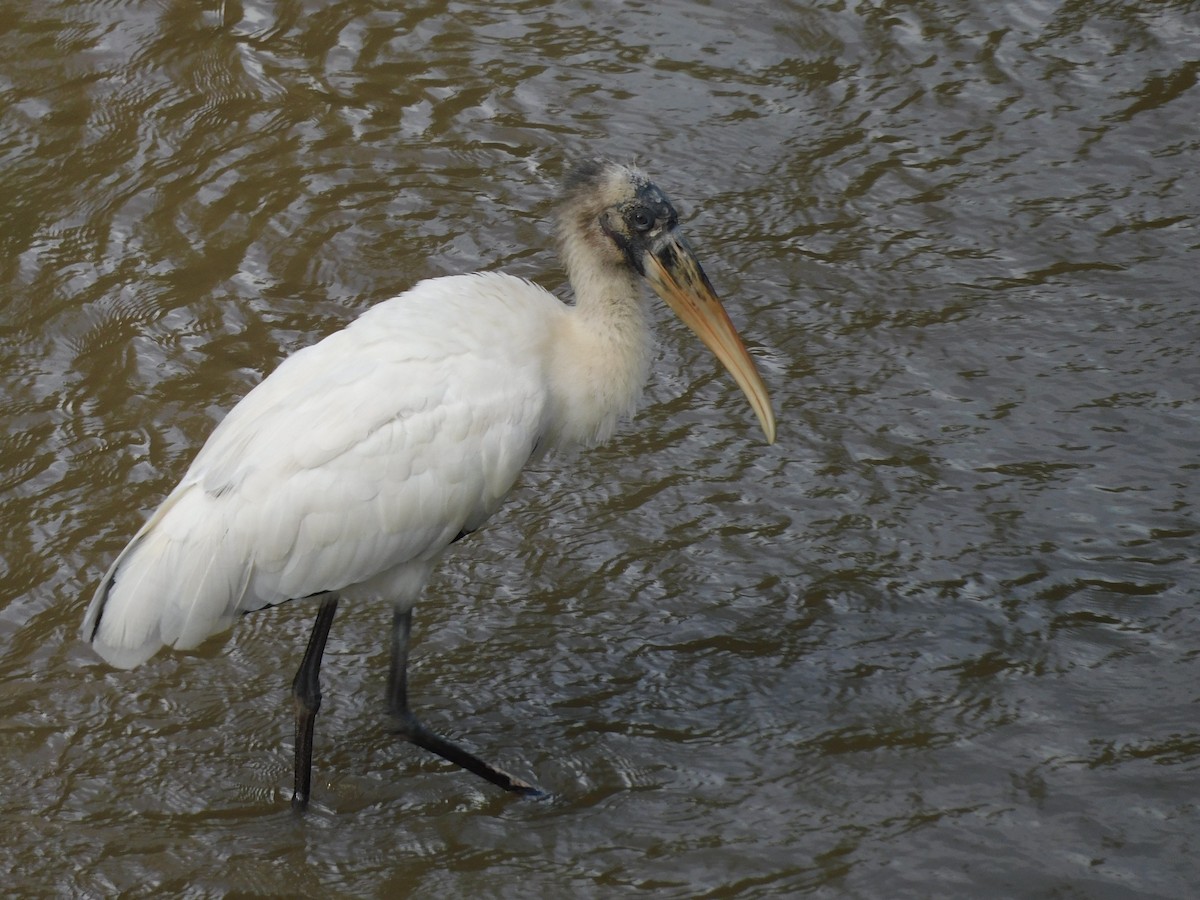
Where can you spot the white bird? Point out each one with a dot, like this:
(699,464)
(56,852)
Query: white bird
(350,469)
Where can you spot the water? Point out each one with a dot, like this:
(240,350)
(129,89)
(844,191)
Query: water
(938,641)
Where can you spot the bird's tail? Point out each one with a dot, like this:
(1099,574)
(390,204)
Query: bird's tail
(172,585)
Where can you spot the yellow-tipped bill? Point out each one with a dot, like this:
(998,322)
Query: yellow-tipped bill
(675,274)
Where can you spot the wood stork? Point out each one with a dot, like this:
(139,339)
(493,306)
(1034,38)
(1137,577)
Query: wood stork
(349,470)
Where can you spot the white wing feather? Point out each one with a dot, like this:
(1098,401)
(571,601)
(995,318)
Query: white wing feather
(351,468)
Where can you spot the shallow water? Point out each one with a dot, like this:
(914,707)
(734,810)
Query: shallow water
(939,640)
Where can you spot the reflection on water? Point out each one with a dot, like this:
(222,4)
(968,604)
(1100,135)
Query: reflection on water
(936,641)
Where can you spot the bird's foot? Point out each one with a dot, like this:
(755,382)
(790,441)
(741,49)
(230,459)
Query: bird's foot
(410,728)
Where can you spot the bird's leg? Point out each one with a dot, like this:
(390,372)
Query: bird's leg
(409,727)
(306,693)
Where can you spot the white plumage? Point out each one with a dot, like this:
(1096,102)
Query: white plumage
(352,467)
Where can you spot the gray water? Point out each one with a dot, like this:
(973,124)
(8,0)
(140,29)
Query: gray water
(939,641)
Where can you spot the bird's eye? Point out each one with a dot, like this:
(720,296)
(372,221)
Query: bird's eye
(642,219)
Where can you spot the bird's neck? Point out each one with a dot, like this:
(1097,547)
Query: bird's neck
(601,357)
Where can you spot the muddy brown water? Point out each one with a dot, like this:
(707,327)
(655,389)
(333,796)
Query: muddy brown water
(939,641)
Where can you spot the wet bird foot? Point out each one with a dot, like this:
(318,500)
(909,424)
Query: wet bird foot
(409,727)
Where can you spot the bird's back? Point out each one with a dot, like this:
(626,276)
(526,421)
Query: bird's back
(351,467)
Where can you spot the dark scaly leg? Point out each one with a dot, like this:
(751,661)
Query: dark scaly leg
(306,693)
(409,727)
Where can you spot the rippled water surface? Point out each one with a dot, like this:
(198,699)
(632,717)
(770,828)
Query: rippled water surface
(940,640)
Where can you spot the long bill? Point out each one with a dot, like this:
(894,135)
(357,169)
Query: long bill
(675,274)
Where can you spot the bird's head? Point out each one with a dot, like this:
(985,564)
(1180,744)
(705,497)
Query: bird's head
(622,220)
